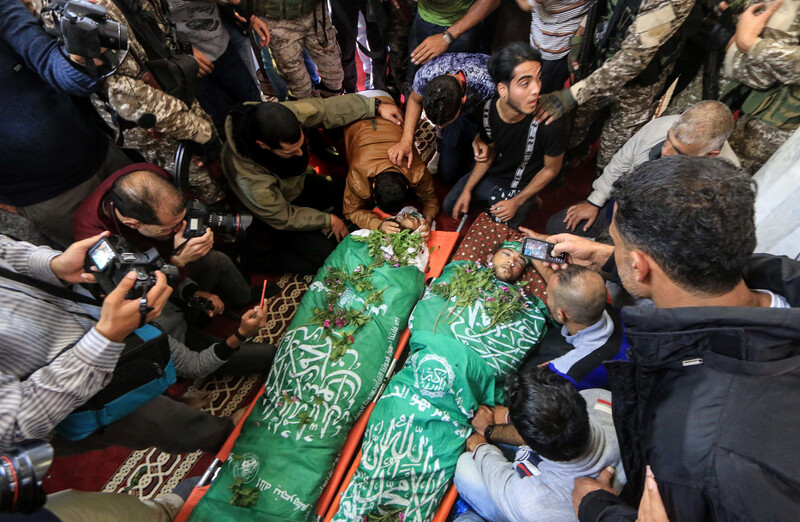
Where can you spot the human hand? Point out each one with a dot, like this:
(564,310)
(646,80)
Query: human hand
(195,247)
(475,440)
(583,211)
(388,226)
(69,266)
(206,65)
(425,229)
(119,316)
(580,251)
(651,508)
(400,151)
(483,417)
(752,22)
(554,105)
(430,48)
(480,150)
(585,485)
(338,227)
(391,113)
(81,60)
(219,306)
(462,204)
(253,321)
(260,28)
(505,210)
(500,415)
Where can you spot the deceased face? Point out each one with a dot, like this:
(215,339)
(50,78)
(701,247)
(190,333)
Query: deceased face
(508,265)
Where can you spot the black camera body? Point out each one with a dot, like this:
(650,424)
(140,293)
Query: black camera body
(112,260)
(200,217)
(84,27)
(22,469)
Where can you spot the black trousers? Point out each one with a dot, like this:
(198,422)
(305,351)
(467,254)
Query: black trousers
(268,249)
(345,19)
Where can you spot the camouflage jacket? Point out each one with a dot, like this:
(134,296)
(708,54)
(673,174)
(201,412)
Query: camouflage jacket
(775,57)
(656,22)
(131,97)
(269,197)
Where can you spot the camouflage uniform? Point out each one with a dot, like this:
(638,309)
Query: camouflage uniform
(307,30)
(130,97)
(632,105)
(771,69)
(397,41)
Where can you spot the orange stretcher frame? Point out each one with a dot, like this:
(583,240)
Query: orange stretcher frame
(440,245)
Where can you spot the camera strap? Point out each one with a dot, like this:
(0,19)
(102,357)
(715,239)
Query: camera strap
(49,288)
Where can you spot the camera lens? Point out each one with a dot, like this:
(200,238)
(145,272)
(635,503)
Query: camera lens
(230,224)
(22,469)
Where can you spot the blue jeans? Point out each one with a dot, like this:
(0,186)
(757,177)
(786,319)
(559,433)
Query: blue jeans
(455,148)
(469,483)
(228,85)
(278,85)
(469,42)
(482,196)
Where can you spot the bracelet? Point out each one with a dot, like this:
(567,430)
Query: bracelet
(448,37)
(242,338)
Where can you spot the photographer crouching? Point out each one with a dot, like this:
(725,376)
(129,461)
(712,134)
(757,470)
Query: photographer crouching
(59,356)
(140,204)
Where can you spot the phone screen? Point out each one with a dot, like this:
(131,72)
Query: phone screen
(541,250)
(102,254)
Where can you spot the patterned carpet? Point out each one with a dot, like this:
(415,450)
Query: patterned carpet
(147,473)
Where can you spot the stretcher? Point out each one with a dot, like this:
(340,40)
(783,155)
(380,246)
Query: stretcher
(483,232)
(440,245)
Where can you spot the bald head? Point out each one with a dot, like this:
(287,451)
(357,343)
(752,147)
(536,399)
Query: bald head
(704,127)
(147,197)
(579,292)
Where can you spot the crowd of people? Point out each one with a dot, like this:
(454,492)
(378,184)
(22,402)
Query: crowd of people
(154,145)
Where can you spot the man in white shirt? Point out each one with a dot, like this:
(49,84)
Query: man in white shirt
(702,130)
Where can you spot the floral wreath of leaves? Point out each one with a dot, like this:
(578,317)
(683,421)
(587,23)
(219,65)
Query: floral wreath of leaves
(404,247)
(470,282)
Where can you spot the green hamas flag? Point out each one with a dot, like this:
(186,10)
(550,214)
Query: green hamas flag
(468,333)
(329,366)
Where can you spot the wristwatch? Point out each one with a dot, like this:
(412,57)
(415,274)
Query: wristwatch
(242,338)
(487,432)
(448,37)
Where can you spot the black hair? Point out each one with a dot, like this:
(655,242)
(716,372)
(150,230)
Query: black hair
(503,62)
(441,99)
(581,293)
(273,123)
(390,191)
(549,414)
(140,194)
(694,216)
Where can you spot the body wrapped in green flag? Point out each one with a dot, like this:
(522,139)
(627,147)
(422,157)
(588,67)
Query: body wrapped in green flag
(329,366)
(461,353)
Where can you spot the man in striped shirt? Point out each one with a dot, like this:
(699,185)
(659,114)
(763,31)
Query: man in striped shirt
(553,22)
(40,385)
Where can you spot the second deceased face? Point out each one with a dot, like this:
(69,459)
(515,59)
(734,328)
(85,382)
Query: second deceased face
(508,265)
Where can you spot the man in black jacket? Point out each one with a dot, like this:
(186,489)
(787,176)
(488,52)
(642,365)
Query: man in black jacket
(708,397)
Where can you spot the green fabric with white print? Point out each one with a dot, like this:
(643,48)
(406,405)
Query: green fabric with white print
(418,428)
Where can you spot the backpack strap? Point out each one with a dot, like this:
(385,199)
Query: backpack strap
(487,107)
(526,157)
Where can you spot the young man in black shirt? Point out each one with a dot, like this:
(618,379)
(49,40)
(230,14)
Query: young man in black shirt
(523,156)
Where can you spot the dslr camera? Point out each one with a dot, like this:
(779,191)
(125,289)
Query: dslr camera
(22,470)
(84,27)
(112,260)
(200,217)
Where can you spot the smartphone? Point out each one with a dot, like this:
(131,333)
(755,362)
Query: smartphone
(541,250)
(102,254)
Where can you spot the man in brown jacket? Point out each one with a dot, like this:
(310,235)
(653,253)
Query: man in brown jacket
(374,180)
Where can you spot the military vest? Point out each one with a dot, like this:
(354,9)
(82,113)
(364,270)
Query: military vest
(610,32)
(778,105)
(285,9)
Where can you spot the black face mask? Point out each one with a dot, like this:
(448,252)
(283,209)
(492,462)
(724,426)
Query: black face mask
(281,167)
(655,152)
